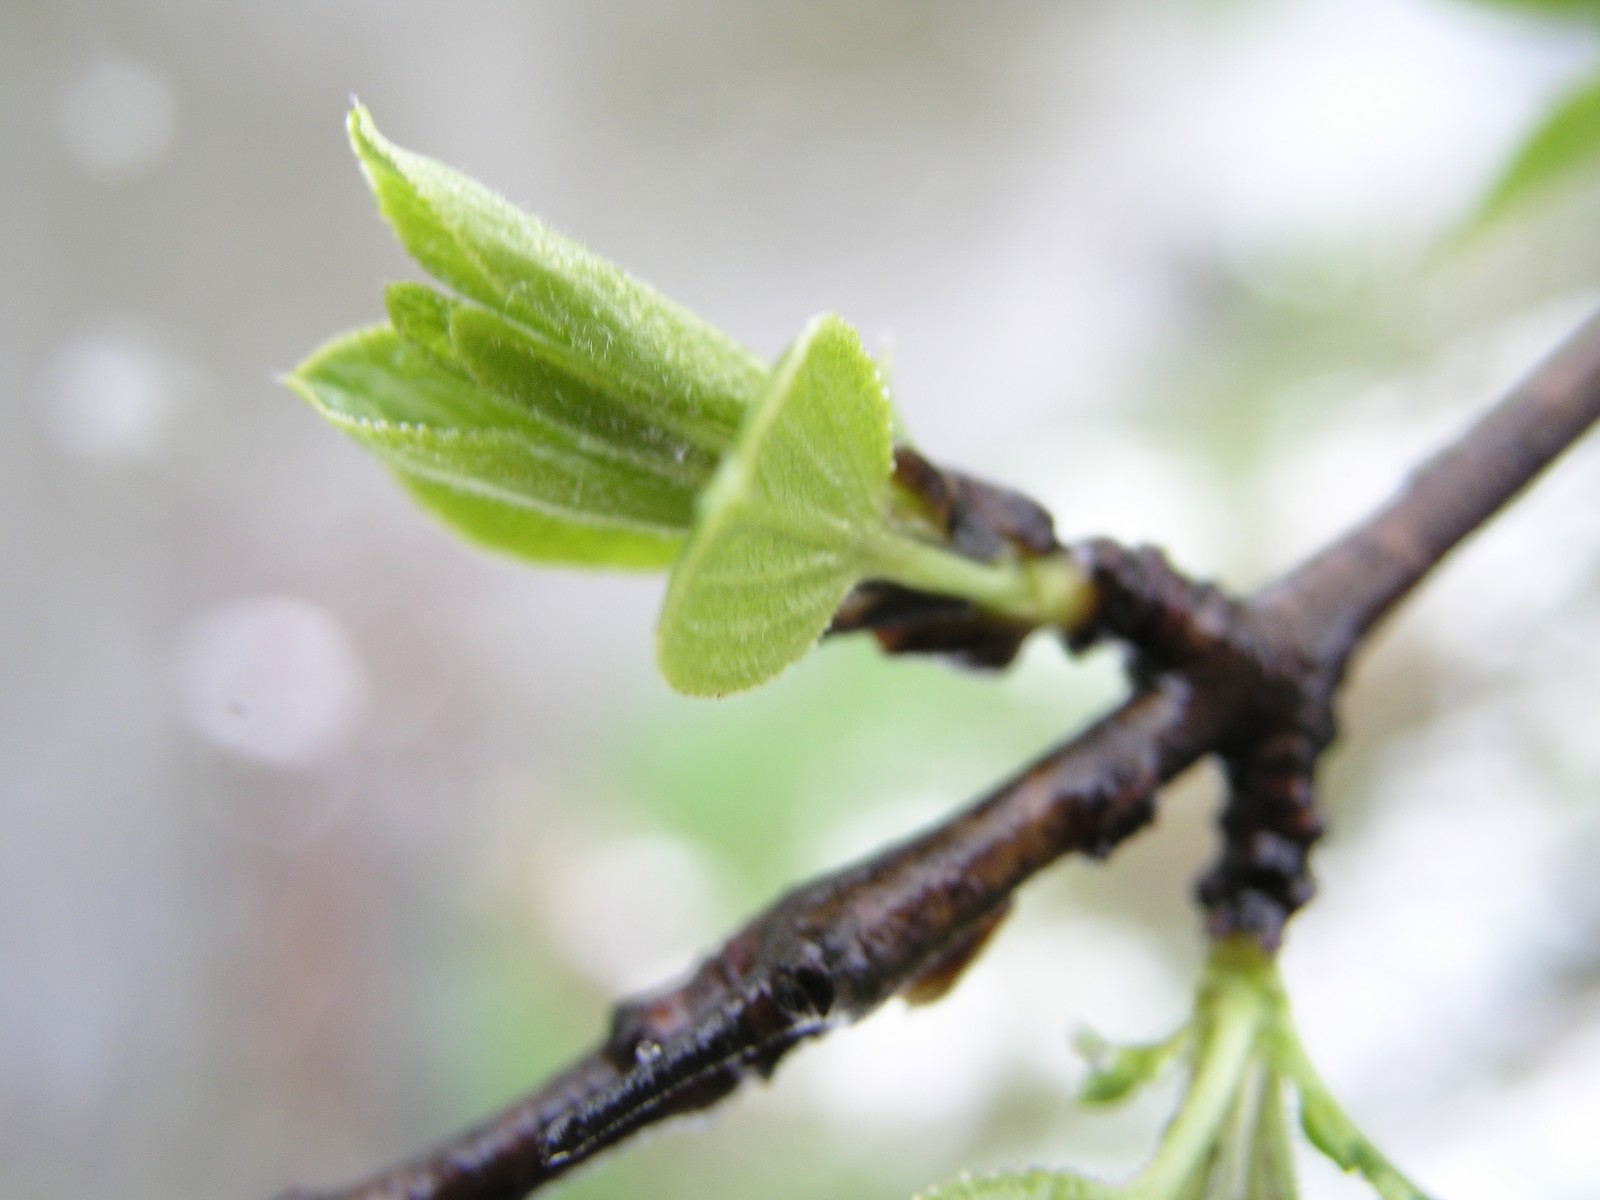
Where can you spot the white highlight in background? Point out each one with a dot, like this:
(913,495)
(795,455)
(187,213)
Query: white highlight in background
(111,393)
(274,679)
(629,914)
(117,118)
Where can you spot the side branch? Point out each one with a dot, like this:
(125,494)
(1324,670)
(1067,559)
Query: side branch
(1332,600)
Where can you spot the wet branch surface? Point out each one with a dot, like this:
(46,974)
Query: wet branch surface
(1252,682)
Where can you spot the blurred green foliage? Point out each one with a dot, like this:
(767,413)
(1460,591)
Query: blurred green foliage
(1563,148)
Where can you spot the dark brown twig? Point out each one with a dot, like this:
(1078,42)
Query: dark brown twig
(1253,683)
(1334,598)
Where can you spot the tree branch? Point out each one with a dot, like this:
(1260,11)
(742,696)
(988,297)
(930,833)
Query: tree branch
(1335,597)
(1251,682)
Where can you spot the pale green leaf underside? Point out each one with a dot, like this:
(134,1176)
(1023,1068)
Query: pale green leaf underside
(482,246)
(1118,1071)
(784,527)
(497,473)
(1565,146)
(1021,1185)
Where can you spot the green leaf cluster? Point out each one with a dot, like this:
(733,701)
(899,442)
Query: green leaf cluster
(554,407)
(544,403)
(1229,1139)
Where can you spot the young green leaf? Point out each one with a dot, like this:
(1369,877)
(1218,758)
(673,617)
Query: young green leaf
(547,384)
(1023,1185)
(421,316)
(698,380)
(1118,1071)
(491,469)
(1563,147)
(1332,1132)
(787,525)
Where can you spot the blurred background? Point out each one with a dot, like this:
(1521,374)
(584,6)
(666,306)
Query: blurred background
(321,834)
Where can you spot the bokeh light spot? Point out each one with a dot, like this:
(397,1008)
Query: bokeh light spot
(274,679)
(117,118)
(111,393)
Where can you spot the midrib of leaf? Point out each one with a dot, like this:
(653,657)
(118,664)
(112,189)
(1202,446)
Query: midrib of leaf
(625,390)
(707,433)
(690,470)
(537,437)
(437,327)
(442,450)
(582,454)
(546,470)
(376,348)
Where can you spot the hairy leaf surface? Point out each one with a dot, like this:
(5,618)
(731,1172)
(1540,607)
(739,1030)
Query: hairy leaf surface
(492,469)
(549,385)
(699,380)
(784,527)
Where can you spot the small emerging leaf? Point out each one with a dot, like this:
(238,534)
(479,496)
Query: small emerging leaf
(784,527)
(1332,1132)
(1022,1185)
(1562,148)
(500,475)
(699,380)
(1118,1071)
(421,316)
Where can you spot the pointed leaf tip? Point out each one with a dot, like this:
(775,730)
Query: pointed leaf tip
(698,380)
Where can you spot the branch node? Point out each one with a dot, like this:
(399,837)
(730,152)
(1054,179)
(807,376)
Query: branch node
(1167,619)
